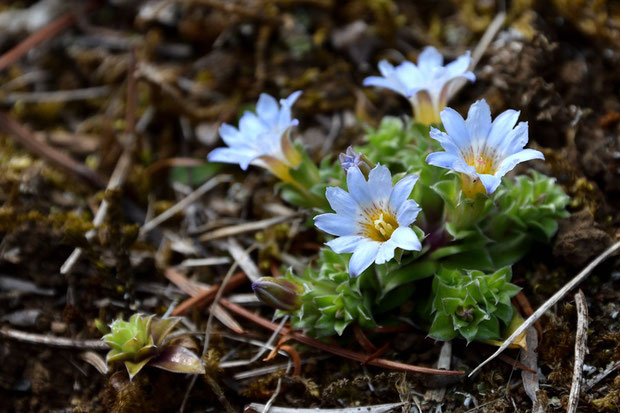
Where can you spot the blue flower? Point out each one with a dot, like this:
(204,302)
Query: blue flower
(481,150)
(262,138)
(372,219)
(427,85)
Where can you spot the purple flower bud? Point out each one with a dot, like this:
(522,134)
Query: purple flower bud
(278,293)
(350,159)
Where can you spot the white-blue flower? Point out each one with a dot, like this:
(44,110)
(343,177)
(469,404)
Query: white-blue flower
(262,138)
(427,85)
(483,151)
(372,219)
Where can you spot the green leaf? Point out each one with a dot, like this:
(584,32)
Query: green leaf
(442,328)
(134,368)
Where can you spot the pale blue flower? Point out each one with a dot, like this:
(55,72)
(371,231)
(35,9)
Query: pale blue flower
(262,138)
(481,150)
(372,219)
(427,85)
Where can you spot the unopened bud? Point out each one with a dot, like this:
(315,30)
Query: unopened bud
(350,159)
(278,293)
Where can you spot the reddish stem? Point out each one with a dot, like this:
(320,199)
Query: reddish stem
(302,338)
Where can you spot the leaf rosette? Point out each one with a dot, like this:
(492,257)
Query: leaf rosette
(331,299)
(473,305)
(146,340)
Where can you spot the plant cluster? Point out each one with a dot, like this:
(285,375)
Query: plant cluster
(421,211)
(147,340)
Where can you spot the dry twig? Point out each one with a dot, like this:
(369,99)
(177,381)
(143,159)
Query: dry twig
(52,341)
(550,303)
(43,34)
(581,349)
(379,408)
(246,227)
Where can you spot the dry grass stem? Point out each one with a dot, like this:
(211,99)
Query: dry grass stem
(379,408)
(184,203)
(550,303)
(246,227)
(52,341)
(581,349)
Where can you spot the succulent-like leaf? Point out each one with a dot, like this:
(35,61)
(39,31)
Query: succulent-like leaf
(161,328)
(134,368)
(142,340)
(178,359)
(472,304)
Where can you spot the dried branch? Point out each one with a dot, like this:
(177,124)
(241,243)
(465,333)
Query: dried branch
(246,227)
(204,297)
(52,341)
(43,34)
(581,349)
(184,203)
(550,303)
(379,408)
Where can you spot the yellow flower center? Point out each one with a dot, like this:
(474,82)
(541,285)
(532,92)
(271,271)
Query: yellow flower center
(379,225)
(482,162)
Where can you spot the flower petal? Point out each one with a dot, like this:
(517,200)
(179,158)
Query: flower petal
(478,121)
(402,191)
(386,252)
(459,67)
(336,224)
(233,155)
(251,126)
(455,127)
(380,182)
(291,99)
(501,127)
(345,244)
(429,59)
(358,187)
(490,182)
(450,161)
(405,238)
(363,257)
(340,201)
(515,140)
(407,213)
(522,156)
(267,108)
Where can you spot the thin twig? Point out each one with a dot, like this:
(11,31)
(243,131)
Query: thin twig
(379,408)
(206,296)
(550,303)
(613,366)
(481,47)
(184,203)
(57,95)
(302,338)
(52,341)
(43,34)
(581,349)
(246,227)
